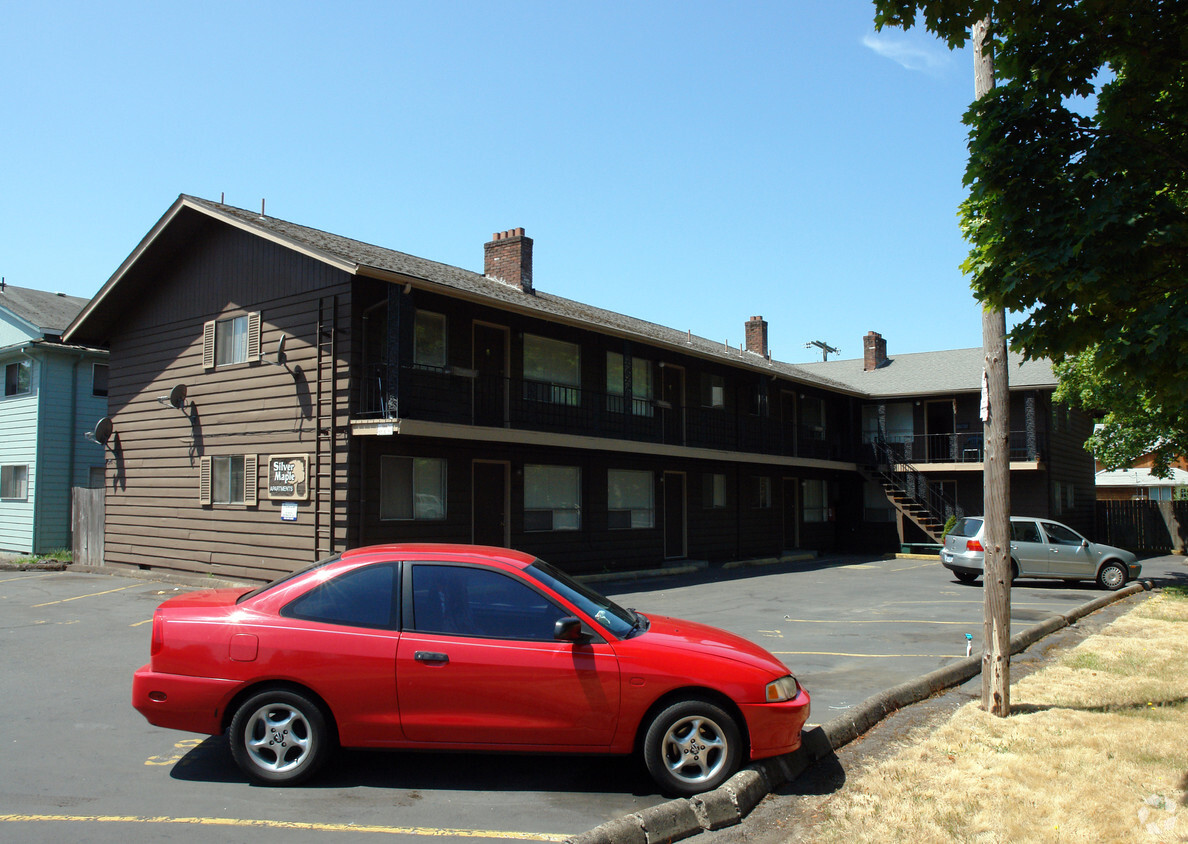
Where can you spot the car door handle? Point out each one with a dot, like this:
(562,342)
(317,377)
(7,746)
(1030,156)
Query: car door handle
(431,656)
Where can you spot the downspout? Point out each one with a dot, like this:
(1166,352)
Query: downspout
(73,448)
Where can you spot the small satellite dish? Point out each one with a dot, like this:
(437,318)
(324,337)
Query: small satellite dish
(177,397)
(280,351)
(102,432)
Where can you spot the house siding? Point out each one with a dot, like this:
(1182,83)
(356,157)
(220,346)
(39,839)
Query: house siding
(18,447)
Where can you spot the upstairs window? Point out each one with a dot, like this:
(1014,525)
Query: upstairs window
(232,340)
(552,371)
(713,391)
(99,379)
(228,479)
(641,385)
(429,340)
(812,417)
(18,378)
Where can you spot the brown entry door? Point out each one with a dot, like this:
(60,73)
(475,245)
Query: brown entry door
(489,504)
(674,516)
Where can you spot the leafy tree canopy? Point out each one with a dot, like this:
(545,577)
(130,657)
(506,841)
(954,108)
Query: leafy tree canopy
(1078,207)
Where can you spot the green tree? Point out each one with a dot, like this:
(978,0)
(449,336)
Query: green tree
(1077,214)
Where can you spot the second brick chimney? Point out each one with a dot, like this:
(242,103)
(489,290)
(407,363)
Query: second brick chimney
(757,335)
(874,351)
(508,258)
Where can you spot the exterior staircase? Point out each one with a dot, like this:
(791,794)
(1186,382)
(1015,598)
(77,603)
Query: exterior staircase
(909,492)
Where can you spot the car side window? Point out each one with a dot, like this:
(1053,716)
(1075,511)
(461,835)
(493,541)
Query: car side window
(1025,532)
(1060,535)
(362,597)
(470,601)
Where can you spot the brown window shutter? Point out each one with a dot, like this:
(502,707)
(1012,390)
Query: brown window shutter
(253,346)
(251,489)
(204,481)
(208,345)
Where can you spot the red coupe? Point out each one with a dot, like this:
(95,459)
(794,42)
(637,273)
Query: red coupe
(462,648)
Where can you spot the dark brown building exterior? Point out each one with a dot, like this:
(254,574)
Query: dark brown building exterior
(278,393)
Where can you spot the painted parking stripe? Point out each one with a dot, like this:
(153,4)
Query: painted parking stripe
(871,621)
(80,597)
(424,831)
(870,656)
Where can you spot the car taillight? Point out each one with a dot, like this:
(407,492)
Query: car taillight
(973,545)
(158,635)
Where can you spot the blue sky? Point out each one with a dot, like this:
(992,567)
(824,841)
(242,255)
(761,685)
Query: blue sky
(690,163)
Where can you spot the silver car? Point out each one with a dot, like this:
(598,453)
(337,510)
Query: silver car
(1040,548)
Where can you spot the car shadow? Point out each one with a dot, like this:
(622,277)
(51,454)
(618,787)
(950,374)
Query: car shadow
(211,761)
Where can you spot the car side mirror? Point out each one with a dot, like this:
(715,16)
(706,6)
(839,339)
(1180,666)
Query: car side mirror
(1084,543)
(569,629)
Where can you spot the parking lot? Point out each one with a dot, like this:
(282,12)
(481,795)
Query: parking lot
(80,763)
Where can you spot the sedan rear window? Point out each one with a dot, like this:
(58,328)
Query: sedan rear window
(966,527)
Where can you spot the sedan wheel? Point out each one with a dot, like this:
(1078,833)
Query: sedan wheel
(1112,576)
(691,747)
(279,738)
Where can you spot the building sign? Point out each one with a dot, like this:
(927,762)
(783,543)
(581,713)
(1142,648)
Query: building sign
(288,477)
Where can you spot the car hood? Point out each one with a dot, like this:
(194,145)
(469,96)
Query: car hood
(677,634)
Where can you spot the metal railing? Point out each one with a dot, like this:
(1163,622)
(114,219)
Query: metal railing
(961,447)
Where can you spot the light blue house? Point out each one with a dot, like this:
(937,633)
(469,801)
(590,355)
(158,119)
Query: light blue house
(53,394)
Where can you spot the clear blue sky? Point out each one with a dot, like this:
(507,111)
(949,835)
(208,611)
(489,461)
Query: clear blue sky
(690,163)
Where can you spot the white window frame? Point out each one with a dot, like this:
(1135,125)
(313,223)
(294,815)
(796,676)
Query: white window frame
(425,499)
(632,492)
(245,350)
(556,490)
(243,493)
(425,324)
(14,482)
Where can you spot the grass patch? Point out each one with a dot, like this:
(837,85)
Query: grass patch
(1093,751)
(62,555)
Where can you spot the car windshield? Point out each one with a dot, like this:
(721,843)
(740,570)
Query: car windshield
(967,527)
(617,620)
(284,578)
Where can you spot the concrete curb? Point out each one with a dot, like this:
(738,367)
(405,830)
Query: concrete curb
(728,804)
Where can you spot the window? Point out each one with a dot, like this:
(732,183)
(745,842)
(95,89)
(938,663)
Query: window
(412,488)
(815,498)
(552,371)
(363,597)
(641,385)
(232,340)
(1060,535)
(714,492)
(762,487)
(429,340)
(552,498)
(630,499)
(228,479)
(99,379)
(18,378)
(1024,532)
(812,415)
(14,482)
(713,391)
(469,601)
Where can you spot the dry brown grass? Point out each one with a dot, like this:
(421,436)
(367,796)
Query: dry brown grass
(1095,750)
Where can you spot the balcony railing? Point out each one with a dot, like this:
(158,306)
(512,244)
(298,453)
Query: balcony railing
(961,447)
(468,398)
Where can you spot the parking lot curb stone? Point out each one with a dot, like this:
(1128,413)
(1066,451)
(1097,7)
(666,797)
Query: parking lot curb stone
(728,804)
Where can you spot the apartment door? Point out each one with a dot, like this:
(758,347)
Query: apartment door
(938,417)
(790,503)
(489,494)
(490,385)
(674,516)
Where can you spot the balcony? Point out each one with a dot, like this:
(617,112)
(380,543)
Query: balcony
(464,397)
(961,447)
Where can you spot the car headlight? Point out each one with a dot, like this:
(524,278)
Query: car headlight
(782,689)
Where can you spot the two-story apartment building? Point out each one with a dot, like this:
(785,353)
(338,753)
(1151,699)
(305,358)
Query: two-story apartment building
(53,393)
(279,393)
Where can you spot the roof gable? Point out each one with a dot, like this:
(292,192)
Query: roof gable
(42,311)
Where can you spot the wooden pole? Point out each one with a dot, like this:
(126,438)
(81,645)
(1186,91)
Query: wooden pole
(996,414)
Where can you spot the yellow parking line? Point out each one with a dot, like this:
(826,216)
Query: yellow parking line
(317,827)
(77,597)
(872,621)
(28,577)
(870,656)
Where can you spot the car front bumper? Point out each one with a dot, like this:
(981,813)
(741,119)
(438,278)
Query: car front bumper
(775,727)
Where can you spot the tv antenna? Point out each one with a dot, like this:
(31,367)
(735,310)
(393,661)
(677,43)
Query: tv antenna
(825,348)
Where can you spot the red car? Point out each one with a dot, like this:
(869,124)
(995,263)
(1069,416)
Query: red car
(459,647)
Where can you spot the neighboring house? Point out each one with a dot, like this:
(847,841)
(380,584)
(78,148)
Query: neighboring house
(1138,484)
(53,393)
(279,393)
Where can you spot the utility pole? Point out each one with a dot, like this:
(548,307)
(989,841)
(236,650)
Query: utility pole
(996,414)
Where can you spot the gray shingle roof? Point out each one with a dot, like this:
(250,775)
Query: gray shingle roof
(49,312)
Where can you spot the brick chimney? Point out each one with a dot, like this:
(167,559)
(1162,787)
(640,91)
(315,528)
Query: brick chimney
(874,351)
(508,258)
(757,335)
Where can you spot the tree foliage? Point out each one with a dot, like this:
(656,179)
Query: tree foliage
(1077,212)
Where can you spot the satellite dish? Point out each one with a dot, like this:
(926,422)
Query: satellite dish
(280,350)
(102,432)
(177,397)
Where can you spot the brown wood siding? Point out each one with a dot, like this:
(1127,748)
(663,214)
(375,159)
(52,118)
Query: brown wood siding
(154,518)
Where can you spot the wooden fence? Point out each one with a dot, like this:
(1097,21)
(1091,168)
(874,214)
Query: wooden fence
(1156,526)
(86,521)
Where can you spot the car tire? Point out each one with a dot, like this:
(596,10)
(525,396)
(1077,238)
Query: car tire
(1112,576)
(966,576)
(692,746)
(280,737)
